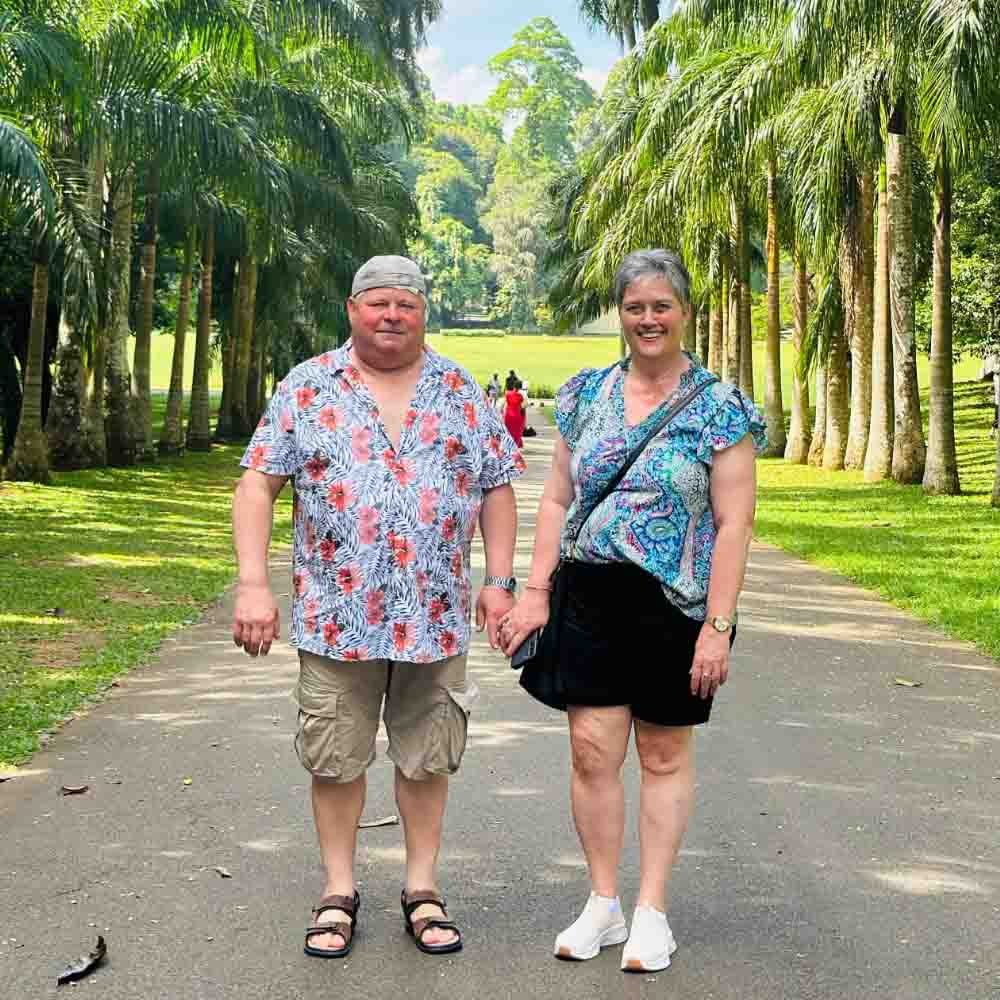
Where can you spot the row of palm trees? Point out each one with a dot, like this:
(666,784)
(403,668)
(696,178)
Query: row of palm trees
(822,125)
(257,137)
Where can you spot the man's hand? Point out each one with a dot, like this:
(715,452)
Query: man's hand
(493,604)
(255,622)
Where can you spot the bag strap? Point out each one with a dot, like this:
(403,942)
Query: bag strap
(634,454)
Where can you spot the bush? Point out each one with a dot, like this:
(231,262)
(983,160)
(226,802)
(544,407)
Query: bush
(541,391)
(484,332)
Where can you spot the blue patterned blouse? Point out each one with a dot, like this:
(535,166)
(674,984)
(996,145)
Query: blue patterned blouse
(659,517)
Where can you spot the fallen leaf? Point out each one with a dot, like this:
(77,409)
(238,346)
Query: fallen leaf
(903,682)
(6,777)
(188,781)
(73,789)
(224,872)
(392,820)
(85,965)
(56,612)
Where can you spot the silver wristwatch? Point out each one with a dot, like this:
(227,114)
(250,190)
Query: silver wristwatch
(508,583)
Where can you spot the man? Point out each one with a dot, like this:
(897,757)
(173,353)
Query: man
(394,455)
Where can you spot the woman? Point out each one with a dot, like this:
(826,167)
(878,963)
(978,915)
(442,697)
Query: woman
(651,607)
(513,416)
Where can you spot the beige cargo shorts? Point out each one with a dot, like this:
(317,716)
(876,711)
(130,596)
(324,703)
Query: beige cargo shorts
(426,715)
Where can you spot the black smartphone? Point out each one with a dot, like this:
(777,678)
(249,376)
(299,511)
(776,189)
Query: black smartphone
(526,651)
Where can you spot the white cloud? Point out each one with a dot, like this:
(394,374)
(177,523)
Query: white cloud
(597,78)
(468,85)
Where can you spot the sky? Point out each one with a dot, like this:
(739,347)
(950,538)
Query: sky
(470,32)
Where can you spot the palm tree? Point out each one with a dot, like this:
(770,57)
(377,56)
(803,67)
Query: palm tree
(799,434)
(878,458)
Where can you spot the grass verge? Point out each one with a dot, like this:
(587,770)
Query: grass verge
(96,570)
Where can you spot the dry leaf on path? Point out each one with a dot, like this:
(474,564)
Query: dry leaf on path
(224,872)
(904,683)
(6,777)
(73,789)
(84,966)
(385,821)
(188,781)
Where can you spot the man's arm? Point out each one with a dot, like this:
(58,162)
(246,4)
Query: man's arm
(498,523)
(255,621)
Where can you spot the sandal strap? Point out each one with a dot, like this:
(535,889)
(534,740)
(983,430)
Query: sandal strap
(343,929)
(421,897)
(432,923)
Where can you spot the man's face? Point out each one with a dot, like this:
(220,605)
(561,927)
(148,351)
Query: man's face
(387,326)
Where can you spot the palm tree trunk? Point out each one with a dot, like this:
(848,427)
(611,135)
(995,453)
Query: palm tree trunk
(736,292)
(723,372)
(837,378)
(861,339)
(878,457)
(774,407)
(29,461)
(818,444)
(746,304)
(172,438)
(224,419)
(242,426)
(649,13)
(75,423)
(199,432)
(120,425)
(628,34)
(995,498)
(701,330)
(715,333)
(143,336)
(909,451)
(688,336)
(799,436)
(941,473)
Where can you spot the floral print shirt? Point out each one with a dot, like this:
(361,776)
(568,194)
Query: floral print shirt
(382,538)
(659,516)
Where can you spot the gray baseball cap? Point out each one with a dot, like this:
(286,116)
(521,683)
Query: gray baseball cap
(389,271)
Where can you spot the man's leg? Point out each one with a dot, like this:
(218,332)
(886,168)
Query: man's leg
(421,807)
(337,808)
(427,733)
(666,755)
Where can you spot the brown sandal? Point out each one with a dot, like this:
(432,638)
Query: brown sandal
(417,928)
(345,930)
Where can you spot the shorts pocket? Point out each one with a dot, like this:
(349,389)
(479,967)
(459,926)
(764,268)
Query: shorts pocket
(451,731)
(316,739)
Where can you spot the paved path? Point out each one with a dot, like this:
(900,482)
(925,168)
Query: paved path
(845,841)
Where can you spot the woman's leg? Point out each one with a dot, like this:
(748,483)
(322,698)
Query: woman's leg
(666,755)
(599,741)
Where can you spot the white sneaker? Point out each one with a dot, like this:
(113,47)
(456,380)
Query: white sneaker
(601,924)
(651,942)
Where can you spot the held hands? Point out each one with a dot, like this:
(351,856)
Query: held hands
(493,604)
(710,667)
(256,622)
(530,612)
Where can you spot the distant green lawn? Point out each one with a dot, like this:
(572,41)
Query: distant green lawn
(128,556)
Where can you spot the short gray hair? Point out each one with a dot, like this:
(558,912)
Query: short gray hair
(656,263)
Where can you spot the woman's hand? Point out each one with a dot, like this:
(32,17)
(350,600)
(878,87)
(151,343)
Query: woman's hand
(530,612)
(710,667)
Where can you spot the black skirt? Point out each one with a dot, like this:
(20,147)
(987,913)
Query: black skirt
(621,643)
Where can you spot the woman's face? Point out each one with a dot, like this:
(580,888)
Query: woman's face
(652,319)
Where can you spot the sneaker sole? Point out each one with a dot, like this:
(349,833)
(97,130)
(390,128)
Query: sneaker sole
(658,964)
(612,936)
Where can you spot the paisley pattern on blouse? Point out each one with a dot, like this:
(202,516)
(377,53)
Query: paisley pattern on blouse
(659,516)
(382,538)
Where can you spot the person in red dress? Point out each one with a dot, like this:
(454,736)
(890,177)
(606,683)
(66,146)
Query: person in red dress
(513,416)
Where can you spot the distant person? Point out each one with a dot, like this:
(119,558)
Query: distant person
(493,390)
(650,592)
(511,381)
(394,456)
(513,416)
(529,431)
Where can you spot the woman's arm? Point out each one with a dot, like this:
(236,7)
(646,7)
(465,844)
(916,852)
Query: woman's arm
(532,610)
(733,494)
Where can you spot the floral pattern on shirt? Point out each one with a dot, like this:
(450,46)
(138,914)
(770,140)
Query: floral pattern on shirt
(382,538)
(659,516)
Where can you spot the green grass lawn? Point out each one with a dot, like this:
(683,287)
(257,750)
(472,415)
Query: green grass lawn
(96,569)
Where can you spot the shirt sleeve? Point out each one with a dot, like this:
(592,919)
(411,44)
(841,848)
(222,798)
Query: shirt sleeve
(570,406)
(272,448)
(502,460)
(729,424)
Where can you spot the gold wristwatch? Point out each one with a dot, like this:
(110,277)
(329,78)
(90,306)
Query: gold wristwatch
(721,623)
